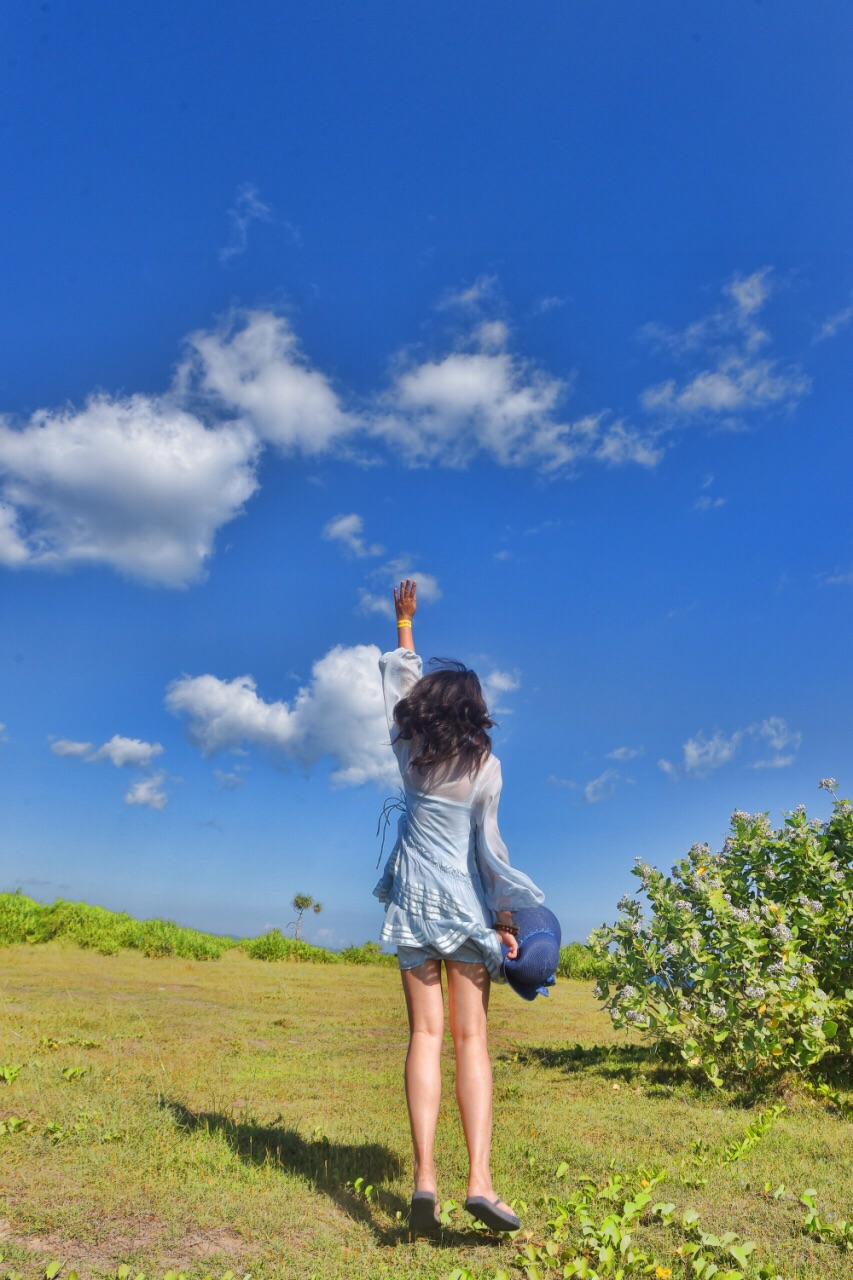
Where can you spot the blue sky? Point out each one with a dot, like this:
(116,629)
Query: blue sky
(549,304)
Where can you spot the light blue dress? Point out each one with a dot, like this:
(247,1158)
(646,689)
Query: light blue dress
(449,872)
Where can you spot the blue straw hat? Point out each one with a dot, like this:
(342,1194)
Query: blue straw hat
(534,969)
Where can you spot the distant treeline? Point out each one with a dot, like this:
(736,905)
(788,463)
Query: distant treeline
(22,919)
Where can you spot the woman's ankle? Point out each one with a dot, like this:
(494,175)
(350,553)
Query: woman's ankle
(425,1178)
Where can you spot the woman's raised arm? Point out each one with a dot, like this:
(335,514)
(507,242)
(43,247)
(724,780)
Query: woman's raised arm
(405,604)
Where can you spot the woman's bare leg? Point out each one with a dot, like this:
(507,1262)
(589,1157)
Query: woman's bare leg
(425,1004)
(468,993)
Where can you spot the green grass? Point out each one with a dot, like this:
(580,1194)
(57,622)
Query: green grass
(222,1113)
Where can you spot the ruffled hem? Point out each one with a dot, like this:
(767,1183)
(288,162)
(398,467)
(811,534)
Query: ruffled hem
(446,936)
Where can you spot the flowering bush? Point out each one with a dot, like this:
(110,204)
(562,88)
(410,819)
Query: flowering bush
(745,963)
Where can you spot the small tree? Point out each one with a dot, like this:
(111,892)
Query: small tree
(301,903)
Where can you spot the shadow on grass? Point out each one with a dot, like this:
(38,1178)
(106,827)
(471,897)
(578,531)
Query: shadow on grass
(611,1062)
(633,1063)
(328,1166)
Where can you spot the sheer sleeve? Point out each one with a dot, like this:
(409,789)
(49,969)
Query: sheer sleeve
(506,889)
(401,669)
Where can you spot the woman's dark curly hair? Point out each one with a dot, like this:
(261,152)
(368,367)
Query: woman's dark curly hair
(447,714)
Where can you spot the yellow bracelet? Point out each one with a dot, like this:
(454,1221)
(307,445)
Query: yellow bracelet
(403,622)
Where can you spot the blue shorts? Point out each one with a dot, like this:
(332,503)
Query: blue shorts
(413,957)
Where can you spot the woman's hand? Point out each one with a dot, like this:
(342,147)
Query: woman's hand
(405,604)
(509,940)
(405,600)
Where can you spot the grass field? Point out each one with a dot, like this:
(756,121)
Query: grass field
(184,1115)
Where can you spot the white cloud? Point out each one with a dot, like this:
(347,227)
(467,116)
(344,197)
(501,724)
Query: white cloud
(227,781)
(707,503)
(148,792)
(776,732)
(625,753)
(734,381)
(495,684)
(253,365)
(703,754)
(124,752)
(775,762)
(248,207)
(482,290)
(667,767)
(841,578)
(348,530)
(136,483)
(489,401)
(562,783)
(834,324)
(4,737)
(602,787)
(339,714)
(65,747)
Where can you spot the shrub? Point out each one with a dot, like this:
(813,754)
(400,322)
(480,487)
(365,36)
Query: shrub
(745,964)
(578,961)
(370,953)
(275,946)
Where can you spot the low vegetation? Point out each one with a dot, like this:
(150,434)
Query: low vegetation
(22,919)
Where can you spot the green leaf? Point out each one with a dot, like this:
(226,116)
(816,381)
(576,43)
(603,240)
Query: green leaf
(830,1029)
(52,1269)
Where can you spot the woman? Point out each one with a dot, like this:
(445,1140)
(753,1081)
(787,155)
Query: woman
(449,893)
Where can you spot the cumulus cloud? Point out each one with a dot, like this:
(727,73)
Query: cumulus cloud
(148,792)
(484,289)
(625,753)
(495,685)
(66,747)
(254,367)
(339,714)
(348,531)
(839,578)
(136,483)
(492,401)
(705,502)
(731,379)
(667,767)
(248,207)
(703,754)
(834,324)
(124,752)
(602,787)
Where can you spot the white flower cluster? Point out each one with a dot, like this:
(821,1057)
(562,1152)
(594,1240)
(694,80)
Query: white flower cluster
(671,949)
(810,904)
(638,1019)
(816,1021)
(827,784)
(681,904)
(792,983)
(782,933)
(754,991)
(627,993)
(716,1012)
